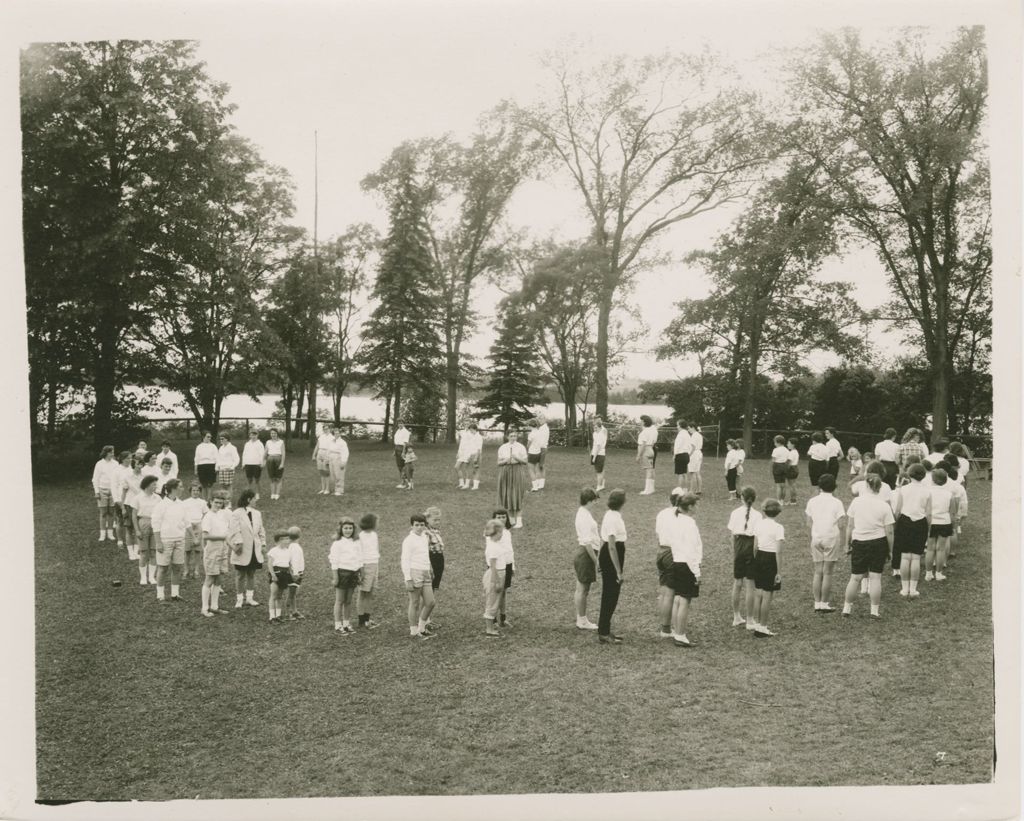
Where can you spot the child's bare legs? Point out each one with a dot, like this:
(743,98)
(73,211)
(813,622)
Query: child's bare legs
(826,581)
(875,590)
(580,600)
(427,594)
(501,606)
(681,480)
(750,598)
(696,482)
(338,595)
(910,574)
(363,601)
(852,591)
(737,599)
(680,615)
(764,600)
(791,486)
(929,555)
(207,593)
(346,602)
(239,586)
(941,553)
(272,603)
(161,580)
(665,605)
(816,582)
(780,492)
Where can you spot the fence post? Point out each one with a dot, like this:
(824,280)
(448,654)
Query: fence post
(246,428)
(188,429)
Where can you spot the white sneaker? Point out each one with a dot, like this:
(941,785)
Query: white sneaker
(518,524)
(103,537)
(586,624)
(929,576)
(904,593)
(738,620)
(940,577)
(400,487)
(914,594)
(751,625)
(663,635)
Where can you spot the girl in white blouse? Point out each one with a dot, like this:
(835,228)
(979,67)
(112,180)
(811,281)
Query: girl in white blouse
(912,507)
(817,456)
(611,560)
(585,562)
(275,463)
(646,452)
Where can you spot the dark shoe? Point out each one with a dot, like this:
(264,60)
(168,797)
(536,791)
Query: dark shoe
(610,639)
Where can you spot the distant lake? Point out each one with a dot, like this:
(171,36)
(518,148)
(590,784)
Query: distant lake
(367,409)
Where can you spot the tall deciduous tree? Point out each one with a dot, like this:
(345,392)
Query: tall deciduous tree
(899,130)
(769,310)
(110,131)
(220,259)
(648,143)
(514,383)
(402,346)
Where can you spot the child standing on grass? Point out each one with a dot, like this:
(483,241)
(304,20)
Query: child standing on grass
(612,561)
(416,572)
(409,466)
(369,548)
(687,552)
(510,561)
(197,508)
(494,575)
(145,503)
(666,531)
(732,463)
(346,561)
(944,513)
(853,456)
(227,463)
(298,565)
(869,535)
(120,487)
(793,470)
(279,571)
(780,466)
(215,528)
(132,487)
(824,513)
(949,464)
(743,522)
(104,478)
(769,536)
(585,562)
(170,523)
(817,458)
(912,508)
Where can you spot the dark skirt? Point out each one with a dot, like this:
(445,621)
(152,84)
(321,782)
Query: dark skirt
(207,474)
(815,468)
(512,484)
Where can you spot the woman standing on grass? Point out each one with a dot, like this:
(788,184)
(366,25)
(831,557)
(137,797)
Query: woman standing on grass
(206,464)
(869,535)
(248,540)
(585,562)
(275,463)
(512,461)
(912,444)
(817,458)
(132,489)
(104,479)
(612,560)
(646,452)
(834,449)
(227,463)
(145,503)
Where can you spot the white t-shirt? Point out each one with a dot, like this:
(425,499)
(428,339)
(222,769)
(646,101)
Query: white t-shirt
(913,500)
(794,456)
(402,436)
(613,528)
(934,457)
(665,526)
(197,508)
(833,448)
(869,513)
(470,444)
(600,442)
(169,454)
(732,459)
(494,550)
(217,523)
(323,443)
(280,556)
(818,452)
(298,557)
(683,443)
(825,512)
(961,496)
(648,436)
(861,487)
(339,447)
(780,455)
(533,441)
(105,474)
(740,524)
(506,546)
(543,436)
(587,532)
(369,546)
(887,451)
(697,442)
(687,545)
(346,555)
(942,499)
(768,535)
(206,454)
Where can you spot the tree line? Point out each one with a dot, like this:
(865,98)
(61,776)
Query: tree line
(159,248)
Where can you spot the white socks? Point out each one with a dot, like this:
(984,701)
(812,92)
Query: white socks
(175,589)
(152,573)
(250,596)
(215,597)
(206,599)
(143,576)
(476,484)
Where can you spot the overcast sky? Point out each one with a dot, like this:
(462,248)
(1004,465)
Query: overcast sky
(378,78)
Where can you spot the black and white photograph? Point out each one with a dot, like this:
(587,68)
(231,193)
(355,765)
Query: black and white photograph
(503,409)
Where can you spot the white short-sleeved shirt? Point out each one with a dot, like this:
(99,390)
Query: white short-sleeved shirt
(648,436)
(338,447)
(961,496)
(833,448)
(818,452)
(369,545)
(280,556)
(914,500)
(942,498)
(665,526)
(732,459)
(533,441)
(543,436)
(887,451)
(197,508)
(494,550)
(860,487)
(217,524)
(687,545)
(780,455)
(275,447)
(869,513)
(470,444)
(696,442)
(613,528)
(740,524)
(794,456)
(587,531)
(682,444)
(825,512)
(769,534)
(600,442)
(935,457)
(402,437)
(298,557)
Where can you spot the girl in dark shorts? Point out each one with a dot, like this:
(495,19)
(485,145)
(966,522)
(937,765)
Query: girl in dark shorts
(742,523)
(817,458)
(588,538)
(346,562)
(769,536)
(913,511)
(510,557)
(869,535)
(687,552)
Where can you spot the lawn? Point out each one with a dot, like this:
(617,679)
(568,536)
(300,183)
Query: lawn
(137,700)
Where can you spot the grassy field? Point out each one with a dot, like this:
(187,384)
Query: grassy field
(141,701)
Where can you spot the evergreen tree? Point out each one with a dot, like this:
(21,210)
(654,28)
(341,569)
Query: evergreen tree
(402,346)
(515,381)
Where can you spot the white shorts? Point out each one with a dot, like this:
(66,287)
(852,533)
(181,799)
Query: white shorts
(696,460)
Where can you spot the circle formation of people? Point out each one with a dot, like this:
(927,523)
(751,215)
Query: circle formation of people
(908,509)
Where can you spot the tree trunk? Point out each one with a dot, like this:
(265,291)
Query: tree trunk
(104,382)
(387,417)
(300,403)
(941,379)
(287,399)
(311,413)
(604,311)
(398,402)
(453,397)
(51,409)
(750,387)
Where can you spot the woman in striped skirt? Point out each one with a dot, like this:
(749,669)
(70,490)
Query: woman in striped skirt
(512,477)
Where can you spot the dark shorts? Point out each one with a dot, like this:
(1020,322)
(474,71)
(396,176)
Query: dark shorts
(399,458)
(684,583)
(254,563)
(779,470)
(815,468)
(253,472)
(543,456)
(207,474)
(533,458)
(598,463)
(346,579)
(742,557)
(941,530)
(437,565)
(869,556)
(586,571)
(910,536)
(664,565)
(833,466)
(892,472)
(274,469)
(792,472)
(680,463)
(766,568)
(284,577)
